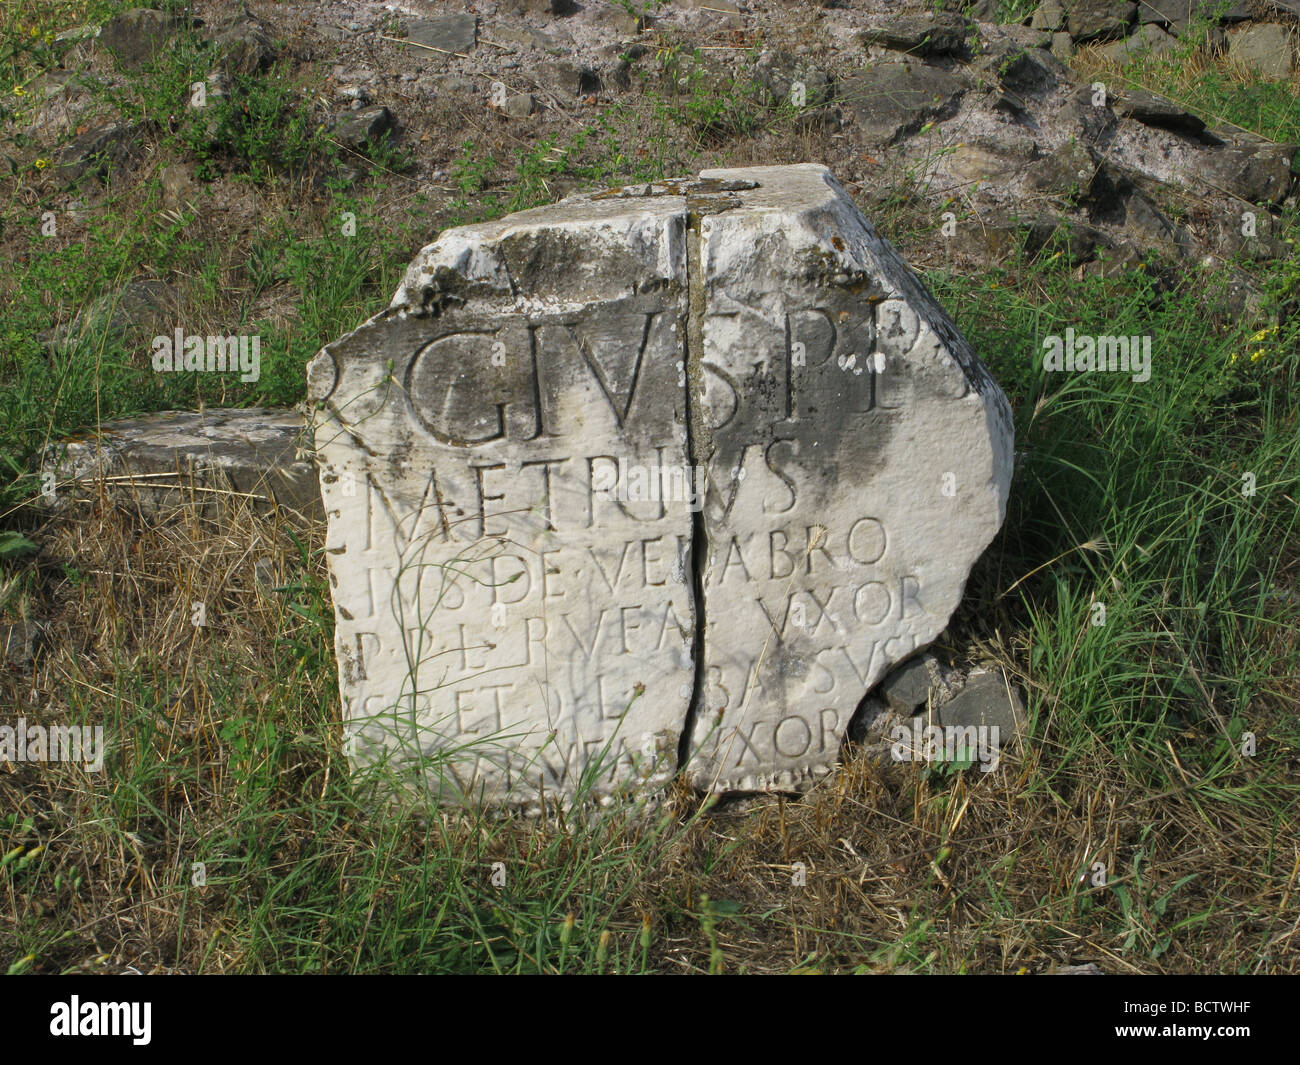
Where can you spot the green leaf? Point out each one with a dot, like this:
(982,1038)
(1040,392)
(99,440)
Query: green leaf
(15,545)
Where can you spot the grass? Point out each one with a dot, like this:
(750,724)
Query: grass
(226,833)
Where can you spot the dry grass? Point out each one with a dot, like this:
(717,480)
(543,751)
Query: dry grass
(224,746)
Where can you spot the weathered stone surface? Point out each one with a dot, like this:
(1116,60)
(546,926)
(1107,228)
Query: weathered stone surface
(243,46)
(20,640)
(908,686)
(1265,47)
(779,73)
(521,105)
(97,152)
(985,700)
(486,443)
(1255,173)
(1152,110)
(535,376)
(1027,71)
(359,129)
(137,35)
(448,34)
(213,460)
(891,99)
(1098,20)
(722,13)
(1149,39)
(544,7)
(568,80)
(858,457)
(1049,15)
(927,34)
(1067,172)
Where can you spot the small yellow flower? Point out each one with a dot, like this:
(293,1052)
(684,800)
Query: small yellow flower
(41,164)
(1257,356)
(19,91)
(35,32)
(1233,359)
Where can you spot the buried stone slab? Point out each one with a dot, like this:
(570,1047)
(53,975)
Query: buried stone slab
(211,462)
(675,467)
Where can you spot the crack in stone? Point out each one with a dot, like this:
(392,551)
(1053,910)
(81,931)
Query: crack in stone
(695,442)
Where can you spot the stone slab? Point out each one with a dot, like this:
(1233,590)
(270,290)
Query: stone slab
(859,458)
(685,466)
(210,461)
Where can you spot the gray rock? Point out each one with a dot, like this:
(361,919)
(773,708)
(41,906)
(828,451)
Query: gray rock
(1062,46)
(608,20)
(1265,47)
(542,7)
(360,129)
(447,35)
(97,152)
(1067,172)
(1149,39)
(1028,37)
(722,13)
(773,712)
(178,185)
(1254,173)
(1024,71)
(1049,15)
(1098,20)
(19,641)
(986,160)
(137,35)
(1152,110)
(213,462)
(535,352)
(1164,12)
(1147,225)
(890,100)
(930,34)
(1178,13)
(568,80)
(243,46)
(524,37)
(777,75)
(984,700)
(520,105)
(909,685)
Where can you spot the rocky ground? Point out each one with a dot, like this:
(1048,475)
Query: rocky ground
(990,120)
